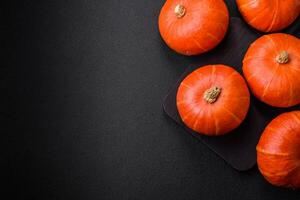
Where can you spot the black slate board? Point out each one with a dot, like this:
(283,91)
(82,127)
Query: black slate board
(238,147)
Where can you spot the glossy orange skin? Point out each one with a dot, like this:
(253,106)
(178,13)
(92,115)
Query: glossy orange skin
(222,116)
(273,83)
(269,15)
(278,150)
(201,29)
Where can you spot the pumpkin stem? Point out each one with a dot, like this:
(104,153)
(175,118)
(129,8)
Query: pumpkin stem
(283,57)
(179,11)
(211,95)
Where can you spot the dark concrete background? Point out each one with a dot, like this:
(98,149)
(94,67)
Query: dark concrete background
(84,116)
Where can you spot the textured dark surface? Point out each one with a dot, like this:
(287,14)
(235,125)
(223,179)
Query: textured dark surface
(239,147)
(85,109)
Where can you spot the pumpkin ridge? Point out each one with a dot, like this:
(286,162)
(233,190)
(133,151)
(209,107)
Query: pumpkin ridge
(187,114)
(217,128)
(191,104)
(260,150)
(209,112)
(257,16)
(168,33)
(273,43)
(233,115)
(233,73)
(212,36)
(221,25)
(290,90)
(274,17)
(296,117)
(181,102)
(213,69)
(261,46)
(248,78)
(269,83)
(285,173)
(270,128)
(291,130)
(189,111)
(198,74)
(186,85)
(196,120)
(247,4)
(256,58)
(198,44)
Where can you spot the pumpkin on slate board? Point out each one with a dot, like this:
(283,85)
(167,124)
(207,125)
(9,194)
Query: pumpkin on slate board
(193,27)
(213,100)
(278,153)
(271,67)
(269,15)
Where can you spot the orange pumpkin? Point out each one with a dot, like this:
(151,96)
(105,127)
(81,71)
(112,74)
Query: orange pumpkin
(213,100)
(278,152)
(272,69)
(192,27)
(269,15)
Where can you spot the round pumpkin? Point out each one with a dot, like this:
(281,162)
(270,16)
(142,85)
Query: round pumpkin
(271,67)
(278,152)
(213,100)
(192,27)
(269,15)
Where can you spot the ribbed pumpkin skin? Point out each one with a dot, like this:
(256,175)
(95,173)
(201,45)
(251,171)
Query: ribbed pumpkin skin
(269,15)
(222,116)
(201,29)
(271,82)
(278,150)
